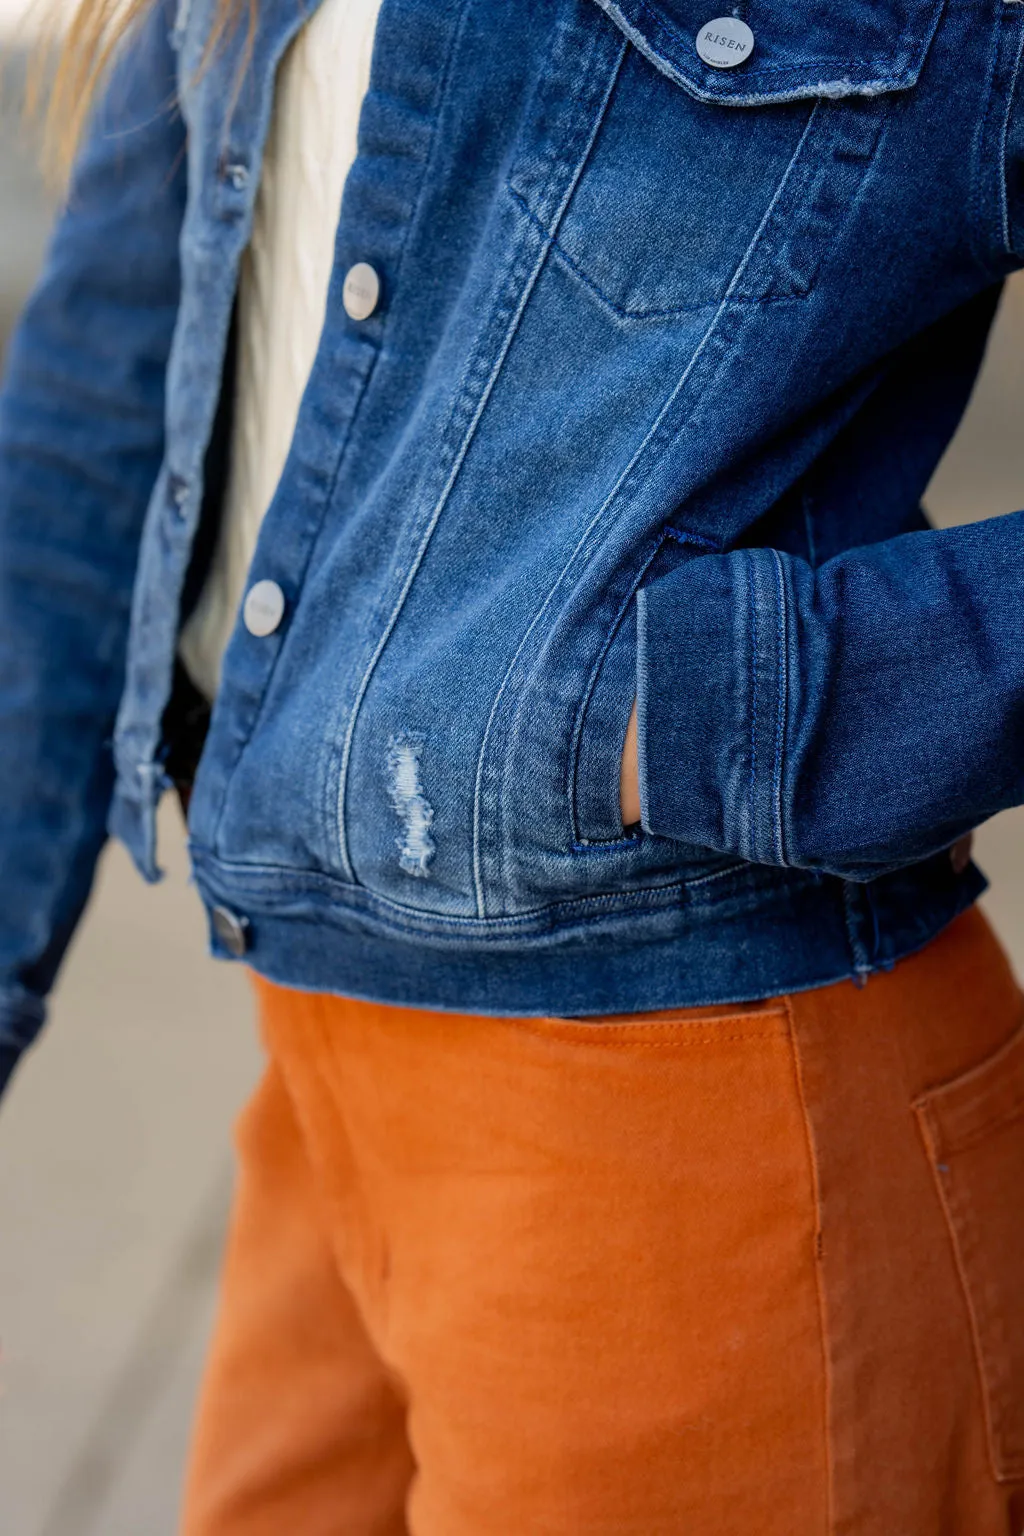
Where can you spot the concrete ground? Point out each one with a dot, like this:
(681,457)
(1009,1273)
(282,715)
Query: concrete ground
(114,1181)
(114,1140)
(115,1161)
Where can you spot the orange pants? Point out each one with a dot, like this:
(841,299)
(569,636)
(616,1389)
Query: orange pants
(718,1272)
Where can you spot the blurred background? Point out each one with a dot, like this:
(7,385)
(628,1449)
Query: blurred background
(115,1159)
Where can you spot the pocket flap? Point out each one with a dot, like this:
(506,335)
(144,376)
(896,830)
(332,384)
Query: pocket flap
(802,48)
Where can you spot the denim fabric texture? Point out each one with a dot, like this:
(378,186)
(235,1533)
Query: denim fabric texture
(664,359)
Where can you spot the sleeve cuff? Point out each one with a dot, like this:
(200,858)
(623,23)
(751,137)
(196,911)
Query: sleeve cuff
(711,703)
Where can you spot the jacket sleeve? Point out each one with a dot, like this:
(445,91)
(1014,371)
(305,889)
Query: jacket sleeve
(81,440)
(850,718)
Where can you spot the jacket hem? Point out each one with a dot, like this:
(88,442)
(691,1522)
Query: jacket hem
(750,932)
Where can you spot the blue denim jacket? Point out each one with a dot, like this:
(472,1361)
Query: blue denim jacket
(664,358)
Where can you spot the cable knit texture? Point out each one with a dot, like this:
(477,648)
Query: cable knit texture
(283,295)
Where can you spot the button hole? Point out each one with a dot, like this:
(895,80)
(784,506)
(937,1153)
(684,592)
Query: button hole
(178,489)
(234,172)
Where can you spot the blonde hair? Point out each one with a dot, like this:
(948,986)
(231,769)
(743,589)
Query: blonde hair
(72,57)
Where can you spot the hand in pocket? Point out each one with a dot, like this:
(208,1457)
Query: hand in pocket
(629,774)
(629,794)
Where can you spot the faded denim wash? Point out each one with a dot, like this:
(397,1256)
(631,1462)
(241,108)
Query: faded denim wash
(665,358)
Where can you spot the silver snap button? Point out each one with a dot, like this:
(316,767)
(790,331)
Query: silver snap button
(231,930)
(263,608)
(725,42)
(361,292)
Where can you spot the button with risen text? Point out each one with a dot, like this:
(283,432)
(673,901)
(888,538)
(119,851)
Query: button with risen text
(361,292)
(263,608)
(231,930)
(725,42)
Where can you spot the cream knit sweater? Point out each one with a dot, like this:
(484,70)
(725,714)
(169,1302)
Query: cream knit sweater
(283,295)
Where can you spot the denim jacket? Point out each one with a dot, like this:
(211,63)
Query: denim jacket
(663,359)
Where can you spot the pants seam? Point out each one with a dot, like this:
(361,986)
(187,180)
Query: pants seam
(819,1277)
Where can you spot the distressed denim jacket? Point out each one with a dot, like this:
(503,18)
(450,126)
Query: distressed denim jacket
(663,358)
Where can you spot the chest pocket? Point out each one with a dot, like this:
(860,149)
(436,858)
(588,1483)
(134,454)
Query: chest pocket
(706,183)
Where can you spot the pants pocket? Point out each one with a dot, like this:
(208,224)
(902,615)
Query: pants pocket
(973,1128)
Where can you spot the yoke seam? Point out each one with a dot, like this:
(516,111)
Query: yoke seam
(595,1032)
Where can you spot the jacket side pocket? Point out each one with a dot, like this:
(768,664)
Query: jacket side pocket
(973,1128)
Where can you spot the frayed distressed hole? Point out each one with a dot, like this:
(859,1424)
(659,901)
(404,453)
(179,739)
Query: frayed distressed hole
(415,847)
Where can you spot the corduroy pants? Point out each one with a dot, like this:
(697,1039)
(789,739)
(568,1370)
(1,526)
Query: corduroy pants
(743,1271)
